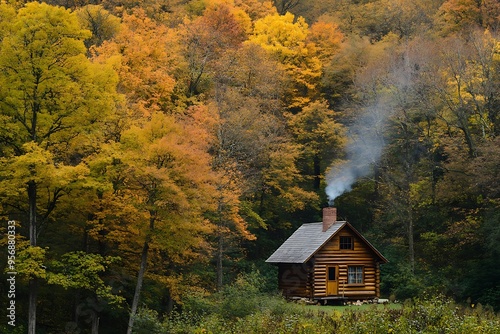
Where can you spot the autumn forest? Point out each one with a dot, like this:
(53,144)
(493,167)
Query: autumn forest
(152,151)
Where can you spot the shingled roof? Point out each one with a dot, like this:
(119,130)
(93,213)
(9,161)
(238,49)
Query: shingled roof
(308,239)
(303,243)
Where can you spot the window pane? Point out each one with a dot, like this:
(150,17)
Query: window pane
(355,275)
(351,278)
(331,274)
(346,243)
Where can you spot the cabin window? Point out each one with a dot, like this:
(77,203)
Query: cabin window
(331,274)
(346,243)
(355,275)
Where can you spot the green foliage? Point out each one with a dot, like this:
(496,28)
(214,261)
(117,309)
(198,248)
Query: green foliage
(146,322)
(275,315)
(405,283)
(18,329)
(237,300)
(80,270)
(30,262)
(241,298)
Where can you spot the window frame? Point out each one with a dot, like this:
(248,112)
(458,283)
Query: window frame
(346,245)
(359,278)
(329,272)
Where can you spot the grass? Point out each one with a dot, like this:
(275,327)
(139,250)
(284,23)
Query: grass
(343,308)
(274,315)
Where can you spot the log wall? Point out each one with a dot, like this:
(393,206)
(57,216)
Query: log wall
(361,255)
(296,280)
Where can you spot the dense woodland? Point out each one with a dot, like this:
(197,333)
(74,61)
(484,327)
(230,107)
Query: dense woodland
(151,151)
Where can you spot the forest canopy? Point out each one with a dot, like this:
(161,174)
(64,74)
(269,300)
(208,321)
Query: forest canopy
(152,151)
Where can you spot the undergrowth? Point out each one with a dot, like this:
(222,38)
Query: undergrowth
(243,309)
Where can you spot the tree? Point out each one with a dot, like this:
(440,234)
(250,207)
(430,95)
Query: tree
(339,76)
(215,35)
(464,88)
(254,144)
(490,11)
(144,63)
(393,98)
(52,100)
(284,6)
(327,38)
(7,14)
(286,41)
(256,9)
(81,271)
(321,137)
(103,25)
(161,174)
(455,15)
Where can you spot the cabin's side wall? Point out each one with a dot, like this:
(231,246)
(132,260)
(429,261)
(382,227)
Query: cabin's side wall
(331,255)
(295,280)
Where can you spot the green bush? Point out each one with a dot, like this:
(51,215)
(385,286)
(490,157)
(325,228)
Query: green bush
(18,329)
(241,298)
(146,322)
(243,308)
(237,300)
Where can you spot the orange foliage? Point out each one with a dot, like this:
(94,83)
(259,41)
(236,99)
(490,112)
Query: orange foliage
(327,38)
(457,14)
(209,38)
(146,58)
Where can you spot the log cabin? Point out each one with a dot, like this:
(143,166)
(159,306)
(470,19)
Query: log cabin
(328,260)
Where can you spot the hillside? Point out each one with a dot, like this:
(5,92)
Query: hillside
(155,150)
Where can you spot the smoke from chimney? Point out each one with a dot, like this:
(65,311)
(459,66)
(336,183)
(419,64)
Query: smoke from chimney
(362,152)
(367,142)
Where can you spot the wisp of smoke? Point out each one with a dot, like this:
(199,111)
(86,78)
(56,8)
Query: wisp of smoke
(367,143)
(362,152)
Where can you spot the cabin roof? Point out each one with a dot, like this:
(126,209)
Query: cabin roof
(308,239)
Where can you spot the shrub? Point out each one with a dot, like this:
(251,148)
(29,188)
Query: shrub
(243,309)
(241,298)
(146,322)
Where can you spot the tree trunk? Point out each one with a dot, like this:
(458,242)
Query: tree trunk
(33,290)
(95,324)
(220,253)
(317,172)
(140,277)
(138,287)
(411,243)
(33,283)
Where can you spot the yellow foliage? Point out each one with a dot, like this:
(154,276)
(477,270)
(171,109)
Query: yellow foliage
(145,63)
(281,36)
(285,38)
(38,165)
(103,24)
(162,184)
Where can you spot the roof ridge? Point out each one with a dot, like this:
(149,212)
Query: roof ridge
(308,239)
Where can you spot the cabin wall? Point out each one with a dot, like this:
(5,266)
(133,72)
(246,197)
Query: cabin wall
(295,280)
(361,255)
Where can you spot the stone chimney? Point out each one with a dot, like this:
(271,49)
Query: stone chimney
(329,217)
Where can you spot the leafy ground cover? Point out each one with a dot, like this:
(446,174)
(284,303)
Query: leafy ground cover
(242,308)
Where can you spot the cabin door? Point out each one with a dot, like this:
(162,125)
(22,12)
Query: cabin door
(332,281)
